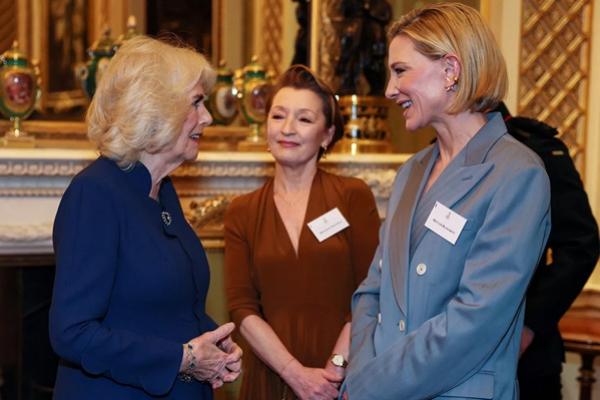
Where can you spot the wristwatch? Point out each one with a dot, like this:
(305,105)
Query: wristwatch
(339,361)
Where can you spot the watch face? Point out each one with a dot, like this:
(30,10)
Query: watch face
(338,360)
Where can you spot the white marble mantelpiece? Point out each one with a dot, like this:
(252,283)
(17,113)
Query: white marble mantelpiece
(33,180)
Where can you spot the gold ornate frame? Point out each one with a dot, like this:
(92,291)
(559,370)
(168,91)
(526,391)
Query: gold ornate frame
(218,14)
(33,25)
(324,47)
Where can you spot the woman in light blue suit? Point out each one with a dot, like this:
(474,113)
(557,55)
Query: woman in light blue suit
(440,313)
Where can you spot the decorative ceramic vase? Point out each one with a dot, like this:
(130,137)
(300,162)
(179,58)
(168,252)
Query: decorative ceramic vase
(222,101)
(19,90)
(253,89)
(100,54)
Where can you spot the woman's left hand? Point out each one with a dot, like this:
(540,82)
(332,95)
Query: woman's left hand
(339,371)
(213,354)
(234,364)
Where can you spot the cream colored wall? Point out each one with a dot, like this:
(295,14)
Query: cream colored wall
(233,31)
(289,30)
(502,15)
(592,151)
(257,43)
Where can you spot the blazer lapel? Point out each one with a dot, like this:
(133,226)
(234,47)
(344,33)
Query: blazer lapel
(454,187)
(177,229)
(400,226)
(475,168)
(462,182)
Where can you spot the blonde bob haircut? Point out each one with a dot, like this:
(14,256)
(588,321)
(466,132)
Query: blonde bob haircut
(142,99)
(445,29)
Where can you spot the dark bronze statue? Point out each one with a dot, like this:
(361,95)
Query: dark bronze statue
(363,45)
(301,45)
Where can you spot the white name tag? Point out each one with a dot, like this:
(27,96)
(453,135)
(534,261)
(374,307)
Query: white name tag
(445,222)
(328,224)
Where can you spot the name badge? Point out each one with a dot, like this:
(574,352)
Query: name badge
(445,222)
(328,224)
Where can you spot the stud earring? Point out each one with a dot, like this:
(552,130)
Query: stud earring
(452,86)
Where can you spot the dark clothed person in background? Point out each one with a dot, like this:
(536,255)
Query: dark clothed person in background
(560,276)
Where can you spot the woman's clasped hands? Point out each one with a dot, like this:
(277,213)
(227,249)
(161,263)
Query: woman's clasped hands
(213,357)
(311,383)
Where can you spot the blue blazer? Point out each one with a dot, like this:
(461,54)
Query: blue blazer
(130,288)
(436,320)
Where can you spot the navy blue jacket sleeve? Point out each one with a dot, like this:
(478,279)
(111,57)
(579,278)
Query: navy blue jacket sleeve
(86,244)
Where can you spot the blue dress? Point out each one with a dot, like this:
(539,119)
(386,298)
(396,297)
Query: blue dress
(130,288)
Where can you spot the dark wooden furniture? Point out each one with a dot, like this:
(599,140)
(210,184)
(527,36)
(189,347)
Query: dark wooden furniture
(580,329)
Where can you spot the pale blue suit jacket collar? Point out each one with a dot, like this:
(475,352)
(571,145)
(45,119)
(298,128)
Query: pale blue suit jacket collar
(458,184)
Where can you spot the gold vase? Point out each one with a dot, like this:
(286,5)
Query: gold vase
(366,129)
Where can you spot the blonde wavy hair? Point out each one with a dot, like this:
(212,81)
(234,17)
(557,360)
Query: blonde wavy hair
(142,101)
(453,28)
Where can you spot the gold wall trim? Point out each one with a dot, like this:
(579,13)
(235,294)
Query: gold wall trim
(217,30)
(272,53)
(8,24)
(324,43)
(555,67)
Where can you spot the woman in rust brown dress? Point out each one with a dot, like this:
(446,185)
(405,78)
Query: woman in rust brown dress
(288,291)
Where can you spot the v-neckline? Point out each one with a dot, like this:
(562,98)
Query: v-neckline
(450,167)
(304,220)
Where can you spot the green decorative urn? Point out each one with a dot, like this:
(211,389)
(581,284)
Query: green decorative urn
(253,89)
(222,101)
(19,90)
(100,54)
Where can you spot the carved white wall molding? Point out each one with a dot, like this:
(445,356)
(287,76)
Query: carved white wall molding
(31,192)
(41,167)
(26,239)
(32,182)
(204,193)
(380,182)
(221,169)
(26,233)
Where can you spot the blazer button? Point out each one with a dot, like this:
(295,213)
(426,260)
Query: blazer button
(378,318)
(402,325)
(421,269)
(380,264)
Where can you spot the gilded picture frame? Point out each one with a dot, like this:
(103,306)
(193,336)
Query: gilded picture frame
(55,35)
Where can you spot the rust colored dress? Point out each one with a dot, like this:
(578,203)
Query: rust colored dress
(304,298)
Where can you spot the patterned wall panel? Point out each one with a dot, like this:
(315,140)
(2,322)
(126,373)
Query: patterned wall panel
(8,23)
(272,52)
(554,67)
